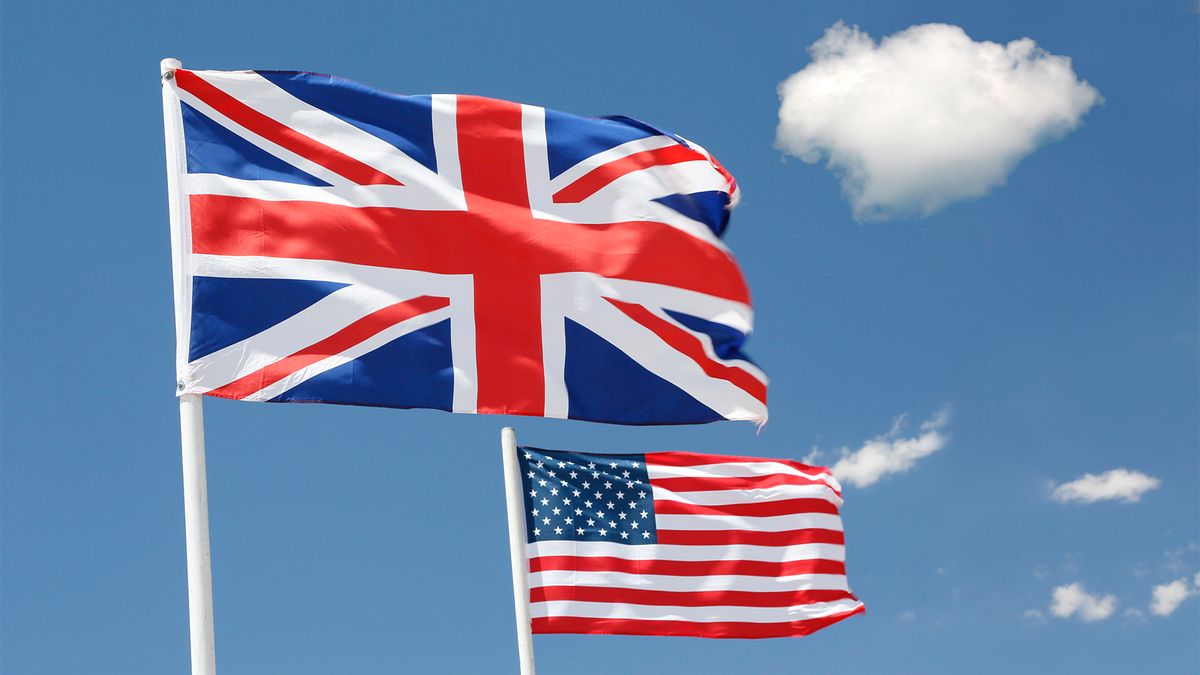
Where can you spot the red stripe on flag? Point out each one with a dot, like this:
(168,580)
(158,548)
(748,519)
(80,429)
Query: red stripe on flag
(499,240)
(714,629)
(704,484)
(281,134)
(686,568)
(810,535)
(595,180)
(691,346)
(642,596)
(337,343)
(782,507)
(682,458)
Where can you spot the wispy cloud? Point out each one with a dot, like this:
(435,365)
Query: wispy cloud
(890,453)
(1119,484)
(927,116)
(1074,600)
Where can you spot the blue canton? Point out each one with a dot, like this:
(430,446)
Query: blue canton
(587,497)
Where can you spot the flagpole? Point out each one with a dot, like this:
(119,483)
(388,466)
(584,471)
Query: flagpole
(191,407)
(516,547)
(199,555)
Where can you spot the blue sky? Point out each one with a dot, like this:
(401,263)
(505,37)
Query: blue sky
(1056,317)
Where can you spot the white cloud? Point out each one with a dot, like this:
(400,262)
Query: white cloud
(1122,484)
(1073,599)
(927,116)
(1168,597)
(889,454)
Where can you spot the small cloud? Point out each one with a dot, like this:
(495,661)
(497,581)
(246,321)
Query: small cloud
(1119,484)
(1034,615)
(1134,614)
(1166,598)
(908,617)
(1073,599)
(1177,560)
(1041,571)
(889,454)
(927,116)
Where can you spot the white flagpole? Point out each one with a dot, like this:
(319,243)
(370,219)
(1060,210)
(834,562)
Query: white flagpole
(191,410)
(199,556)
(516,547)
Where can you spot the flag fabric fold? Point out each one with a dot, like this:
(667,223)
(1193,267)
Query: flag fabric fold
(340,244)
(684,544)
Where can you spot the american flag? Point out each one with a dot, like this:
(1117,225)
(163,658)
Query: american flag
(341,244)
(680,543)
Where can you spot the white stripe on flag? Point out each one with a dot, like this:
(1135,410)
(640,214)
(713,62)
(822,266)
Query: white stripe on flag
(604,610)
(729,582)
(674,552)
(795,521)
(771,494)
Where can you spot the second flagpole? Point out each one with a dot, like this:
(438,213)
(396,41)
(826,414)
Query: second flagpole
(516,546)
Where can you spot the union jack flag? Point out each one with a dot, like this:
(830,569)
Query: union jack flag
(339,244)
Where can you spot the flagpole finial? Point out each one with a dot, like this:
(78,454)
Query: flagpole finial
(168,66)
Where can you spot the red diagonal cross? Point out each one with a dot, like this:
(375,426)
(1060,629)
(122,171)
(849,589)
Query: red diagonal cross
(497,240)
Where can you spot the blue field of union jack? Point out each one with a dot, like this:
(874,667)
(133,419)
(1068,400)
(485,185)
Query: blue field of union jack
(339,244)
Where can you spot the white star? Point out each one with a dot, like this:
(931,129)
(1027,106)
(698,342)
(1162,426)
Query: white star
(542,482)
(588,503)
(620,495)
(545,502)
(603,532)
(591,522)
(574,475)
(579,531)
(591,465)
(644,514)
(575,492)
(645,534)
(536,531)
(641,495)
(624,535)
(632,505)
(528,456)
(607,485)
(569,521)
(532,493)
(612,524)
(599,496)
(534,512)
(545,521)
(567,501)
(586,485)
(562,483)
(611,505)
(625,474)
(530,474)
(554,491)
(579,512)
(551,473)
(629,484)
(635,465)
(561,464)
(622,515)
(554,510)
(558,530)
(599,514)
(613,465)
(634,525)
(540,465)
(595,474)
